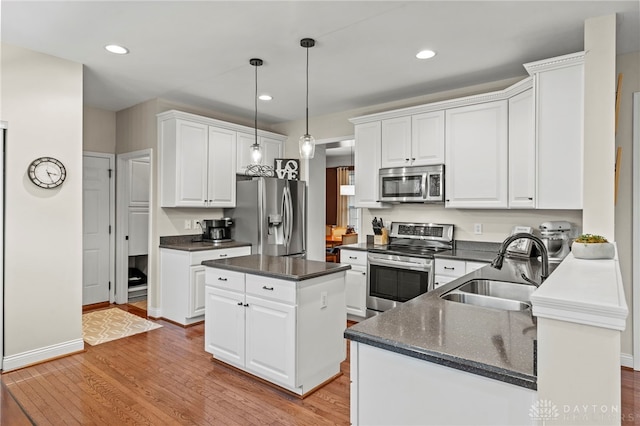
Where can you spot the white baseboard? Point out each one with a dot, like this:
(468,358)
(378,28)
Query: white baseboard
(154,312)
(46,353)
(626,360)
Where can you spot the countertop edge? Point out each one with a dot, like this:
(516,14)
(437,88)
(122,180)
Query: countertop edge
(586,292)
(462,364)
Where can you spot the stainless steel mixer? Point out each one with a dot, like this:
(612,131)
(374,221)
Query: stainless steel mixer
(557,237)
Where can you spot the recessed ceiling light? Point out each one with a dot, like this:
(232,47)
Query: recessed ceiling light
(118,50)
(265,97)
(425,54)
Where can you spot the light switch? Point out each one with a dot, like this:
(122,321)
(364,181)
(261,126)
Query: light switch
(477,228)
(323,300)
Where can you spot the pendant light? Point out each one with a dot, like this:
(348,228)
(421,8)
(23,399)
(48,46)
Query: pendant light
(307,143)
(256,150)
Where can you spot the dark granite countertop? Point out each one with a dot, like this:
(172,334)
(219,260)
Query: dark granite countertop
(493,343)
(478,251)
(195,243)
(286,268)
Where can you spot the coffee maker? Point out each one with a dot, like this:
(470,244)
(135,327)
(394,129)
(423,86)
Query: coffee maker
(217,230)
(557,237)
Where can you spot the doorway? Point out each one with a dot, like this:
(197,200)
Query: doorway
(98,254)
(133,219)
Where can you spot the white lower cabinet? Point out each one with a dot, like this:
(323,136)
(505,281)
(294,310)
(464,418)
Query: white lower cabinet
(286,332)
(356,282)
(447,270)
(182,281)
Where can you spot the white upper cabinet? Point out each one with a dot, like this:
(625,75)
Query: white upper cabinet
(522,151)
(476,156)
(559,85)
(222,170)
(396,142)
(416,140)
(427,138)
(199,158)
(271,149)
(367,163)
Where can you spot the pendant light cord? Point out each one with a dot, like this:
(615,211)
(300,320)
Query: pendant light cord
(307,91)
(255,119)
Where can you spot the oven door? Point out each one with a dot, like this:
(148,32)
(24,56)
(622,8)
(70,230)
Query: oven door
(396,279)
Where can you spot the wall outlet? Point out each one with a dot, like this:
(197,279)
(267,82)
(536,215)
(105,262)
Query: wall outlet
(187,224)
(196,224)
(477,228)
(323,300)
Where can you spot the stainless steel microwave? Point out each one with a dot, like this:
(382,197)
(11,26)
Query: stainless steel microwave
(420,184)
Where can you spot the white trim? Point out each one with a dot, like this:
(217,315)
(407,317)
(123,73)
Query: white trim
(636,230)
(555,63)
(122,252)
(112,218)
(626,360)
(152,311)
(45,353)
(217,123)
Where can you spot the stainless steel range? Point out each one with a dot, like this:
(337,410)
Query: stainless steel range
(404,269)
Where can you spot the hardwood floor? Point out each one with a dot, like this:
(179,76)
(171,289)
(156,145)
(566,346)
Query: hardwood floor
(164,377)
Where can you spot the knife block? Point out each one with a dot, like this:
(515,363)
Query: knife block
(382,239)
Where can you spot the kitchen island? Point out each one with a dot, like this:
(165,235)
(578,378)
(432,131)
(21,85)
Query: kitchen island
(278,318)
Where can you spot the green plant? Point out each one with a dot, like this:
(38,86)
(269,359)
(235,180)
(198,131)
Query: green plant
(590,238)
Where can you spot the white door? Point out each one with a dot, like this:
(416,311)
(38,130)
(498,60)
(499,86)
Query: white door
(224,325)
(96,230)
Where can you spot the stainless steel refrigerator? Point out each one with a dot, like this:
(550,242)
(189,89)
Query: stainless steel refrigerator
(271,214)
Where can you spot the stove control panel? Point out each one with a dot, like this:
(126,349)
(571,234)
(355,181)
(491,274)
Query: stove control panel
(423,231)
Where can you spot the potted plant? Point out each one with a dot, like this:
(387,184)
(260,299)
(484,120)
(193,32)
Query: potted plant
(590,246)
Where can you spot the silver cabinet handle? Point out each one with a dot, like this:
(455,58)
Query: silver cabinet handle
(264,287)
(222,279)
(353,257)
(364,273)
(451,269)
(239,303)
(246,305)
(223,255)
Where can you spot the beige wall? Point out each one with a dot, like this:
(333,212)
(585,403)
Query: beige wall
(599,118)
(629,66)
(42,102)
(99,130)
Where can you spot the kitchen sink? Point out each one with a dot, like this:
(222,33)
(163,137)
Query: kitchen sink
(492,294)
(498,289)
(486,301)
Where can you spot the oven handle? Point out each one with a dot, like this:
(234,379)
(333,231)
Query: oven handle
(416,266)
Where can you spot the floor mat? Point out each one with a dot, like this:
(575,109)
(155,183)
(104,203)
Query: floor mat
(111,324)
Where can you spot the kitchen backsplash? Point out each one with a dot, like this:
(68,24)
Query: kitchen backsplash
(495,224)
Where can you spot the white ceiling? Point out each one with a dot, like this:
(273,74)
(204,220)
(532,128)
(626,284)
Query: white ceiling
(198,53)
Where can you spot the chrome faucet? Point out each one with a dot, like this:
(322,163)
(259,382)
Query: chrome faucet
(497,262)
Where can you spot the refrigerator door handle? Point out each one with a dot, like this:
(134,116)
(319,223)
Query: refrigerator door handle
(285,216)
(289,215)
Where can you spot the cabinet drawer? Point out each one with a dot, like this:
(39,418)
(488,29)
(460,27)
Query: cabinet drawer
(441,280)
(222,278)
(198,256)
(271,288)
(452,268)
(353,257)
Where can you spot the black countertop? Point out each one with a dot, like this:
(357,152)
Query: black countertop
(195,243)
(463,250)
(286,268)
(493,343)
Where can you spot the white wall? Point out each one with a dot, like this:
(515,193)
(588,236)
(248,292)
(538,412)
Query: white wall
(42,102)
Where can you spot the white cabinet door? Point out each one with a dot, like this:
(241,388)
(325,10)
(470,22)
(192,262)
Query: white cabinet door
(356,290)
(271,340)
(196,291)
(522,151)
(271,149)
(427,138)
(560,111)
(244,142)
(222,168)
(367,163)
(476,156)
(139,174)
(396,142)
(138,231)
(440,280)
(224,325)
(192,164)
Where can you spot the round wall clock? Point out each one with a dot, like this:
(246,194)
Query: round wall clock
(47,172)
